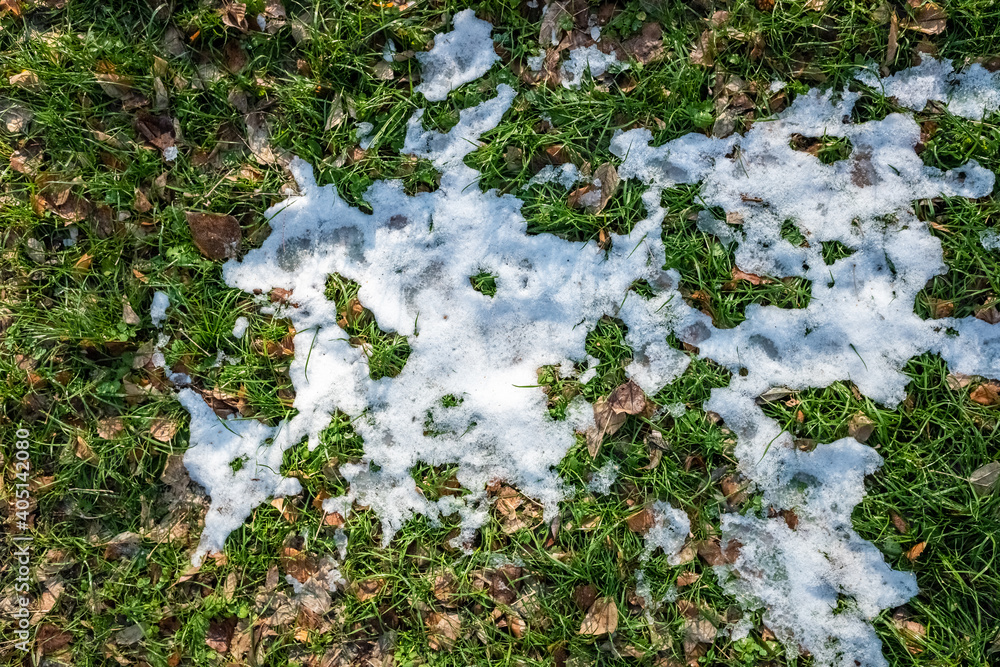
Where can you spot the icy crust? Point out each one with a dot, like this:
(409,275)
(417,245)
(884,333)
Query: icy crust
(972,93)
(820,583)
(413,257)
(589,58)
(458,57)
(670,529)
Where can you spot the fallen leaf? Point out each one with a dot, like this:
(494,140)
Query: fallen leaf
(958,381)
(703,50)
(928,18)
(83,264)
(368,589)
(893,45)
(288,511)
(129,316)
(641,521)
(988,393)
(123,545)
(442,630)
(594,196)
(990,315)
(861,427)
(219,634)
(50,639)
(940,307)
(601,618)
(815,5)
(550,31)
(28,81)
(697,632)
(216,236)
(900,523)
(234,15)
(445,587)
(109,427)
(985,479)
(83,451)
(259,140)
(711,551)
(915,551)
(163,429)
(15,118)
(27,160)
(739,275)
(687,578)
(647,46)
(627,398)
(158,130)
(584,596)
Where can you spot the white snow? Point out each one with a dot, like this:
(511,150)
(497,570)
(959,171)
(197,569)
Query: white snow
(588,58)
(413,256)
(158,311)
(972,93)
(365,136)
(603,479)
(990,239)
(458,57)
(565,175)
(669,531)
(170,153)
(240,327)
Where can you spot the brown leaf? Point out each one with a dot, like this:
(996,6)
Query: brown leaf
(928,18)
(28,81)
(899,522)
(711,551)
(123,545)
(608,420)
(584,596)
(50,639)
(940,308)
(442,630)
(641,521)
(109,427)
(627,398)
(157,130)
(687,578)
(915,551)
(646,46)
(815,5)
(861,427)
(219,634)
(655,446)
(893,46)
(601,618)
(550,31)
(26,160)
(697,632)
(445,587)
(369,589)
(958,381)
(987,393)
(990,315)
(288,511)
(259,140)
(83,264)
(216,236)
(83,451)
(163,429)
(703,51)
(234,15)
(751,278)
(985,479)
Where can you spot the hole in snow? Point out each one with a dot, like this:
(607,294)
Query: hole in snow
(828,149)
(791,233)
(386,352)
(547,213)
(238,463)
(485,283)
(835,250)
(643,289)
(607,343)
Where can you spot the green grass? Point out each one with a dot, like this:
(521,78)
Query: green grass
(69,360)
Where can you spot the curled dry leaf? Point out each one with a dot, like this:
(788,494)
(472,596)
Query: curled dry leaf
(601,618)
(687,578)
(703,51)
(988,393)
(647,46)
(83,451)
(216,236)
(914,552)
(641,521)
(595,195)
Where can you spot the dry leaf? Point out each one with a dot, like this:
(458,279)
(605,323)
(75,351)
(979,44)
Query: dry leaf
(83,451)
(123,545)
(990,315)
(687,578)
(647,46)
(129,316)
(984,479)
(28,81)
(50,639)
(641,521)
(940,307)
(861,427)
(915,551)
(987,393)
(550,31)
(815,5)
(216,236)
(219,634)
(584,596)
(163,429)
(703,51)
(697,632)
(369,589)
(893,46)
(900,523)
(958,381)
(929,18)
(601,618)
(109,427)
(288,511)
(711,551)
(234,15)
(627,398)
(442,630)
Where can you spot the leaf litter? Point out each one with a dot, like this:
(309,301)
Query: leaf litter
(413,256)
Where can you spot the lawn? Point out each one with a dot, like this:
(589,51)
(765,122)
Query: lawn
(130,126)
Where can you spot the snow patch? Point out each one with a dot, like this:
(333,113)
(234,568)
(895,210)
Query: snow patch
(589,58)
(458,57)
(158,311)
(670,529)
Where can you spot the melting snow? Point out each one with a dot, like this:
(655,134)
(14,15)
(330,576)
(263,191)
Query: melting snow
(458,57)
(158,311)
(990,239)
(240,327)
(413,257)
(589,58)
